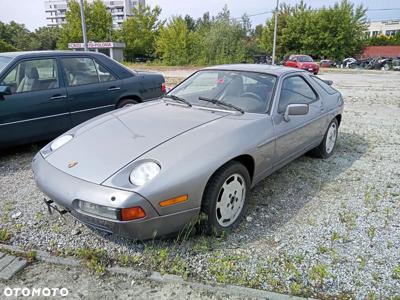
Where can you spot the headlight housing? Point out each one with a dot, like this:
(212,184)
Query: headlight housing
(144,173)
(61,141)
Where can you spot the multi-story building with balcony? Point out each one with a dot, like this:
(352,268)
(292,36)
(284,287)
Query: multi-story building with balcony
(119,9)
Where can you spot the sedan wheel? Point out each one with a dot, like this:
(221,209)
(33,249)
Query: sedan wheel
(127,103)
(224,200)
(327,147)
(230,200)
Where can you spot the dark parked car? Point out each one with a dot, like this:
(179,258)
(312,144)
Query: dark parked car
(43,94)
(304,62)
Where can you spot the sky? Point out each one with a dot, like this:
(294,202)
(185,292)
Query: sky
(31,12)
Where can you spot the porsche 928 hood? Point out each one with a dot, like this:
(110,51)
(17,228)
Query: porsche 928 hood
(99,151)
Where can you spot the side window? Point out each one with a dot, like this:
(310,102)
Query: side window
(33,75)
(80,71)
(295,90)
(104,74)
(324,85)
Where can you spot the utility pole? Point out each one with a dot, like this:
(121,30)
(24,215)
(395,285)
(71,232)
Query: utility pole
(85,42)
(275,32)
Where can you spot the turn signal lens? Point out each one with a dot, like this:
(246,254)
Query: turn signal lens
(132,213)
(173,201)
(164,88)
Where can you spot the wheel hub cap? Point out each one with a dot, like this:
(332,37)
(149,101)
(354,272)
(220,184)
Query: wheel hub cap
(230,200)
(331,138)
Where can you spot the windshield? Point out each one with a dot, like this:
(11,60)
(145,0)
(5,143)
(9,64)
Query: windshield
(251,92)
(4,61)
(304,59)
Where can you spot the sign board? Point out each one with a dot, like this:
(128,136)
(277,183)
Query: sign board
(96,45)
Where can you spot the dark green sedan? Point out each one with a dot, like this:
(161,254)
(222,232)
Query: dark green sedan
(43,94)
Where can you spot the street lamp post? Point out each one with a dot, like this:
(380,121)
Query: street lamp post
(85,42)
(275,32)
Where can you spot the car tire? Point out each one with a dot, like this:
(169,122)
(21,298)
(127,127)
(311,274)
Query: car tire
(224,199)
(126,103)
(328,144)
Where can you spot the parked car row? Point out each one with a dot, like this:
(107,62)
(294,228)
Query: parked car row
(372,63)
(43,94)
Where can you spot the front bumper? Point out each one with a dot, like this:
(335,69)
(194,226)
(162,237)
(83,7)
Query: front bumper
(65,189)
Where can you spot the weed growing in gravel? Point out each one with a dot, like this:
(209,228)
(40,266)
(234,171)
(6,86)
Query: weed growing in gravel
(371,232)
(38,216)
(396,273)
(348,218)
(362,260)
(4,235)
(335,236)
(227,269)
(322,249)
(95,259)
(164,261)
(319,273)
(31,256)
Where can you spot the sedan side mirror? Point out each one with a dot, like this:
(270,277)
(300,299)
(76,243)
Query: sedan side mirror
(4,91)
(328,82)
(295,110)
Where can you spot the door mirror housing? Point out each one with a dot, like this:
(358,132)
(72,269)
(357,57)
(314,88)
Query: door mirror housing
(4,91)
(295,110)
(328,82)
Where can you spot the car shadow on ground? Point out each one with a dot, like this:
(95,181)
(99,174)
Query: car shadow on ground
(276,199)
(18,157)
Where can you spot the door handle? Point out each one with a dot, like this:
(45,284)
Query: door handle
(58,97)
(114,88)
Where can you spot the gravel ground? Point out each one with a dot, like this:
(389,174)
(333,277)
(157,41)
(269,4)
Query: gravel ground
(82,285)
(321,228)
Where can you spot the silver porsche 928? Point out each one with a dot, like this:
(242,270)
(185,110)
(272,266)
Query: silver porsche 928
(150,169)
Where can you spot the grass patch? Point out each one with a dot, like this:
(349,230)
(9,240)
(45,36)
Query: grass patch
(396,273)
(95,260)
(4,235)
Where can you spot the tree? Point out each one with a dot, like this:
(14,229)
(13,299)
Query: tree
(176,43)
(98,22)
(139,32)
(383,40)
(335,32)
(45,38)
(224,41)
(5,47)
(190,23)
(16,35)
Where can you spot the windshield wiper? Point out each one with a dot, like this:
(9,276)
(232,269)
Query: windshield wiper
(221,103)
(179,99)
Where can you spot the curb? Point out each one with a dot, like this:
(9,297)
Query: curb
(158,277)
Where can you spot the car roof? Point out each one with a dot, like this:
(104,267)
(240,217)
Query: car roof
(267,69)
(121,71)
(44,53)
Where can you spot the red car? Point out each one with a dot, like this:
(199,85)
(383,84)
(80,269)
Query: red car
(304,62)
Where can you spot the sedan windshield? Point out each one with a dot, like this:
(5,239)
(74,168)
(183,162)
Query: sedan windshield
(4,62)
(304,59)
(247,91)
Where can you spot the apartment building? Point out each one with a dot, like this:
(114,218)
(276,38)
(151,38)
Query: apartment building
(119,9)
(385,27)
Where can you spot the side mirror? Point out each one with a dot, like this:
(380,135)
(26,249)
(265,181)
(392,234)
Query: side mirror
(295,110)
(4,91)
(328,82)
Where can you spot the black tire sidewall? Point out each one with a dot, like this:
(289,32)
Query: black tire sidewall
(211,225)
